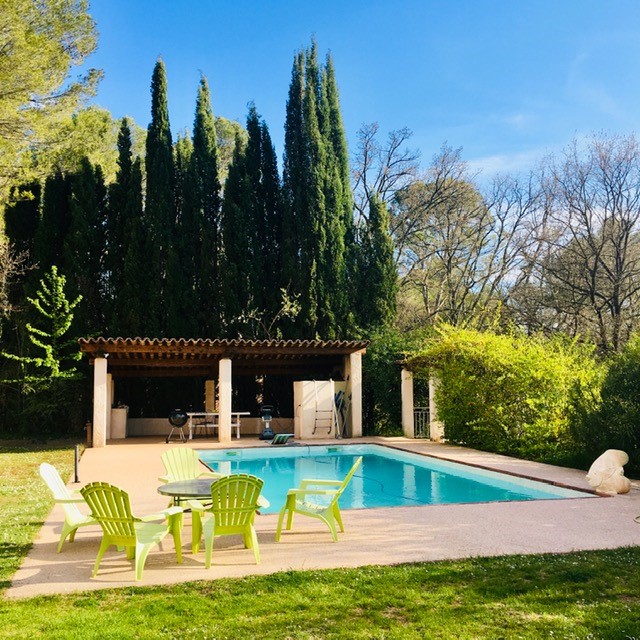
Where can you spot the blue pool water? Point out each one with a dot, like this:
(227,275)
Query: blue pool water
(387,477)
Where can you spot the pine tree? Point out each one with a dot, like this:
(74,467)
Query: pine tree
(204,187)
(160,200)
(84,246)
(378,276)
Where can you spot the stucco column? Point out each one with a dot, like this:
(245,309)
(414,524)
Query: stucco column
(100,402)
(436,428)
(111,395)
(406,394)
(354,371)
(210,396)
(224,407)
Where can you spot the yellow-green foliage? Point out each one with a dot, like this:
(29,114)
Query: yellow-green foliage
(507,393)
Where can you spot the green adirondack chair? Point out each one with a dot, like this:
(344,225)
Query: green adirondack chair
(73,517)
(329,513)
(111,508)
(234,500)
(183,463)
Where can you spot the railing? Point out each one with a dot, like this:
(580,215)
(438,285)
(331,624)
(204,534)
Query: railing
(421,422)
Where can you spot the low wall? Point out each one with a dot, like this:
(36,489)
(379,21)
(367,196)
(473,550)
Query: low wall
(161,426)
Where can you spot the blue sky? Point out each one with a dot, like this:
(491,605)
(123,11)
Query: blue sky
(507,80)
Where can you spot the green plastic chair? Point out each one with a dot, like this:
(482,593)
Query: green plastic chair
(73,517)
(234,500)
(183,463)
(111,508)
(329,513)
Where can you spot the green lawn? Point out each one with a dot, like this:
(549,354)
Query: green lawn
(579,595)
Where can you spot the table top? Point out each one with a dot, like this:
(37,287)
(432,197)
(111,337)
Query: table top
(215,413)
(199,488)
(188,488)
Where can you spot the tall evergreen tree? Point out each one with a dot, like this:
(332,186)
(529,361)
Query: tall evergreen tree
(294,191)
(204,187)
(54,222)
(127,246)
(378,278)
(318,200)
(181,262)
(160,200)
(252,227)
(237,238)
(134,294)
(84,246)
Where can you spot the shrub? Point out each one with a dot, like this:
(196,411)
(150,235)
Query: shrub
(381,400)
(508,393)
(610,419)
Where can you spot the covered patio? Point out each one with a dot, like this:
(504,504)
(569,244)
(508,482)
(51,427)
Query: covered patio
(216,360)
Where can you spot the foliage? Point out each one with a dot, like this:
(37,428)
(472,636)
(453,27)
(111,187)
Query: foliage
(507,393)
(48,384)
(40,42)
(584,594)
(160,203)
(609,418)
(377,275)
(381,399)
(317,231)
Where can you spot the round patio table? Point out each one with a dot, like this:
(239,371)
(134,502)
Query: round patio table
(200,488)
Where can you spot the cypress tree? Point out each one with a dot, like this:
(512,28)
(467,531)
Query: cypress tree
(54,223)
(270,263)
(237,236)
(181,262)
(134,294)
(84,246)
(378,276)
(318,232)
(294,191)
(205,192)
(160,200)
(128,247)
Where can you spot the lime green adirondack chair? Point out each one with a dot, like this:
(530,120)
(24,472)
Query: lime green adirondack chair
(328,513)
(73,517)
(111,508)
(234,501)
(183,463)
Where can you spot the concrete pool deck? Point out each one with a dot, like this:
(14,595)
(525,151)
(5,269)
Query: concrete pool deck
(372,536)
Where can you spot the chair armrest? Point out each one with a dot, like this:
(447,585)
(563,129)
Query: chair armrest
(211,474)
(164,479)
(312,492)
(327,483)
(196,505)
(162,515)
(70,500)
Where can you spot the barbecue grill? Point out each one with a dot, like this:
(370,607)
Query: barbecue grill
(177,419)
(265,413)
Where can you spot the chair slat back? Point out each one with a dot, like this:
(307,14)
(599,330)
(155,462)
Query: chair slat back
(59,490)
(111,508)
(347,479)
(235,499)
(181,463)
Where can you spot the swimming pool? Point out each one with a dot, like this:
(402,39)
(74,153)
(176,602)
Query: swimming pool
(387,478)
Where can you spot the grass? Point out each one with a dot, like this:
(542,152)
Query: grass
(578,595)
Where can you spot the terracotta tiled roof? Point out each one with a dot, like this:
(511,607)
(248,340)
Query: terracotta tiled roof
(180,356)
